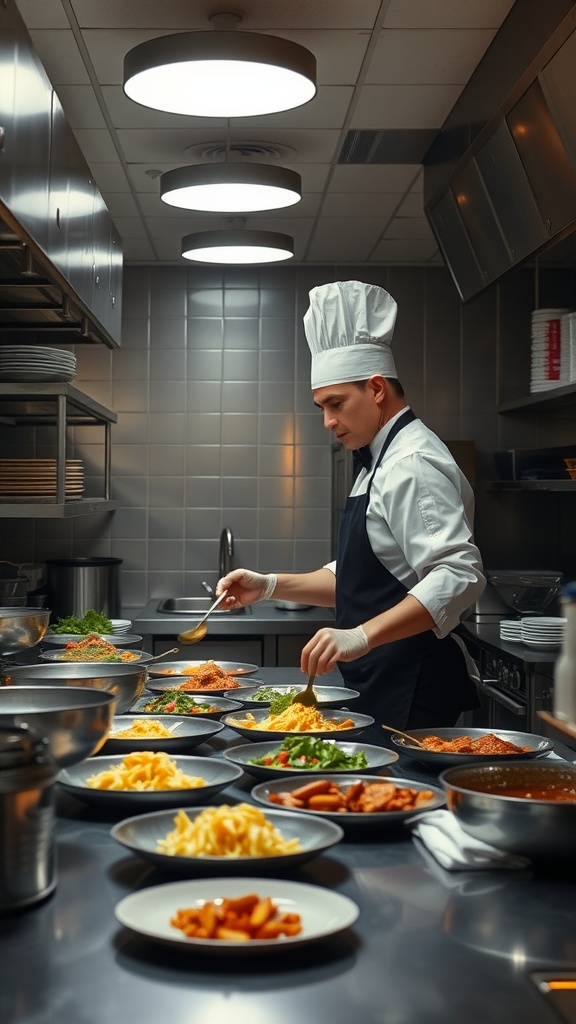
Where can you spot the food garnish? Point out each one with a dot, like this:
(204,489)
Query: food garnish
(144,771)
(359,797)
(237,920)
(241,830)
(91,622)
(312,753)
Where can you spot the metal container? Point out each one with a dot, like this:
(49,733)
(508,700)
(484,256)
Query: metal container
(78,585)
(125,681)
(27,818)
(530,592)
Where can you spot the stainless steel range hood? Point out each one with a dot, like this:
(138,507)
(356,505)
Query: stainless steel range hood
(60,254)
(510,194)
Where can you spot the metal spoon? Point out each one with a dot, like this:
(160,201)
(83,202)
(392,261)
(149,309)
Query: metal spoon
(192,636)
(173,650)
(412,741)
(307,697)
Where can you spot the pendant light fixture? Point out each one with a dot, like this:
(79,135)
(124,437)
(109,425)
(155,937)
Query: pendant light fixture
(231,187)
(237,245)
(220,73)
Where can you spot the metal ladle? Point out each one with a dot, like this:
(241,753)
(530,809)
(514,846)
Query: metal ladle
(192,636)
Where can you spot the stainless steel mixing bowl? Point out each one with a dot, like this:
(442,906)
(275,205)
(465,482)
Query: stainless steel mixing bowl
(75,720)
(21,628)
(541,829)
(126,682)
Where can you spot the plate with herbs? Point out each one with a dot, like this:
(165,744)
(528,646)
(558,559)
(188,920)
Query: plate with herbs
(279,697)
(303,755)
(176,702)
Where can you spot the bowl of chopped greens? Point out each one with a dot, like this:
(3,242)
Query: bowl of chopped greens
(304,754)
(176,702)
(277,698)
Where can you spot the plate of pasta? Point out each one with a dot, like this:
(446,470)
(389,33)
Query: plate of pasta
(154,913)
(261,724)
(239,838)
(158,732)
(148,778)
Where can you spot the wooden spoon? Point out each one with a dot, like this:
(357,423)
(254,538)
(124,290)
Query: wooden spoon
(412,741)
(192,636)
(307,697)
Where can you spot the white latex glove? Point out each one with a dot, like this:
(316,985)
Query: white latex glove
(329,646)
(246,587)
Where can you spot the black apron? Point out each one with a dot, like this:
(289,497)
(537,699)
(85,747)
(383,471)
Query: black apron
(417,682)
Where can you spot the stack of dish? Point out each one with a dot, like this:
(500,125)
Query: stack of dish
(545,371)
(35,479)
(120,626)
(568,348)
(511,629)
(543,631)
(36,363)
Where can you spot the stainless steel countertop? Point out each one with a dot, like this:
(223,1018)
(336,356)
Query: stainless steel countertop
(261,619)
(429,946)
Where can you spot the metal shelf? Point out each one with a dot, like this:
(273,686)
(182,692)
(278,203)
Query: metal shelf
(63,405)
(544,400)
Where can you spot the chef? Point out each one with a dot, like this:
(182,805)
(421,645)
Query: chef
(407,567)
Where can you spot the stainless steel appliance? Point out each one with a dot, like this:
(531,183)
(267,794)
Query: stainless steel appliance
(78,585)
(514,683)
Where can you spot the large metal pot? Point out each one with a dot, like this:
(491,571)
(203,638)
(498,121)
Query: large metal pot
(125,681)
(79,585)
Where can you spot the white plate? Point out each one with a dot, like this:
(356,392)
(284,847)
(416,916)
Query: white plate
(140,834)
(323,912)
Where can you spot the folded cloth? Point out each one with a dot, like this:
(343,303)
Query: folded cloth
(454,849)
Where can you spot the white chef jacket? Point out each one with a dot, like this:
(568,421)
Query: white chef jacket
(419,522)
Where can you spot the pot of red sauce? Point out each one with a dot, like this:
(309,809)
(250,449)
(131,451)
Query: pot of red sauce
(525,807)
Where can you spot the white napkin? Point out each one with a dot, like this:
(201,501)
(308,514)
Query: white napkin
(454,849)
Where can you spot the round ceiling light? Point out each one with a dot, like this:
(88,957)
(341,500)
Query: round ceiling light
(231,187)
(220,74)
(237,245)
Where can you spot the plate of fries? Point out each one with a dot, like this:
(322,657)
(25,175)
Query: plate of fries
(241,838)
(351,801)
(313,912)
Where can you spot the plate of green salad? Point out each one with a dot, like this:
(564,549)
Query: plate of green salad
(305,754)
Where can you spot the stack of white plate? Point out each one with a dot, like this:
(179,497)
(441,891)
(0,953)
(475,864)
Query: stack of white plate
(543,631)
(35,479)
(545,370)
(30,363)
(511,629)
(120,626)
(568,348)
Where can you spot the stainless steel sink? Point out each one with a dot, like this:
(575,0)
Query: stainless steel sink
(195,606)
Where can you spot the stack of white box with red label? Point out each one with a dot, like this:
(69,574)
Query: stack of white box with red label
(546,337)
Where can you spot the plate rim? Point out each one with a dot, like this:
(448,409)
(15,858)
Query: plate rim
(436,756)
(250,883)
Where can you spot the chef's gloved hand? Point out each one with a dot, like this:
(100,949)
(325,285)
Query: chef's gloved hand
(329,646)
(246,587)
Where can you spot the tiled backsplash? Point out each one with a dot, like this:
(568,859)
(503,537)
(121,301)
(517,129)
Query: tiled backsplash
(216,424)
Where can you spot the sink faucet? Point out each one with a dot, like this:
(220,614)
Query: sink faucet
(226,551)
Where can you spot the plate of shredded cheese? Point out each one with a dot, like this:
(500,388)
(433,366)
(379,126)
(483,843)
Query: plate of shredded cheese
(152,913)
(148,779)
(228,838)
(296,718)
(158,732)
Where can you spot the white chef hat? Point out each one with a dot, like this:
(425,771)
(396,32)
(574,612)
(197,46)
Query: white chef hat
(348,327)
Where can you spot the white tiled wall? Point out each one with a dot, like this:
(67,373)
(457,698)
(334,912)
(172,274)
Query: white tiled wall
(216,424)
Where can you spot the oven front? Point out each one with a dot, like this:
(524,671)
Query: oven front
(510,692)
